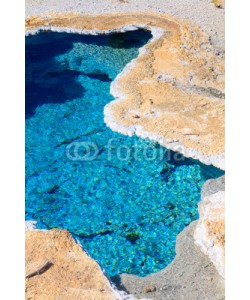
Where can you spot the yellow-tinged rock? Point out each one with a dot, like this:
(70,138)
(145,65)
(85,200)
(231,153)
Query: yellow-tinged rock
(73,275)
(219,3)
(175,86)
(210,230)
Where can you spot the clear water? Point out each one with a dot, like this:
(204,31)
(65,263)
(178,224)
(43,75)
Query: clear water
(125,212)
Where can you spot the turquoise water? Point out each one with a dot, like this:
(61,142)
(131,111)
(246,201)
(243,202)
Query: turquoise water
(125,199)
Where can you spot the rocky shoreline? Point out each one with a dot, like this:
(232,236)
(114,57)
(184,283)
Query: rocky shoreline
(201,12)
(191,276)
(210,231)
(176,88)
(186,114)
(71,274)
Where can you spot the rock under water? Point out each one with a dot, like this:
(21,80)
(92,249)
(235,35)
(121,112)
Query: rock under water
(124,198)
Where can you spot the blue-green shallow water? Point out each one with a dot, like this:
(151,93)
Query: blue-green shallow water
(125,212)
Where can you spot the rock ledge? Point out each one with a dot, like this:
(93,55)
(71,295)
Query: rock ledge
(73,275)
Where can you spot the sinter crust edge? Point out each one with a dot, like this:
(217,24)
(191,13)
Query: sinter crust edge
(175,85)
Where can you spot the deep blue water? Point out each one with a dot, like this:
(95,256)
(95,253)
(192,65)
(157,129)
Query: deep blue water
(128,203)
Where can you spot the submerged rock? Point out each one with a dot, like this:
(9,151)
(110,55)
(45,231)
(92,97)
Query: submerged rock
(124,198)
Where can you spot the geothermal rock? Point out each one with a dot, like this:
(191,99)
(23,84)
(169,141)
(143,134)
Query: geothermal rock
(71,274)
(175,86)
(210,230)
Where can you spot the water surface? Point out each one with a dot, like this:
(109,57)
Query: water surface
(127,205)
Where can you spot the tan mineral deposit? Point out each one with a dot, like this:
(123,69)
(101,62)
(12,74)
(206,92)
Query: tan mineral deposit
(72,274)
(210,231)
(173,93)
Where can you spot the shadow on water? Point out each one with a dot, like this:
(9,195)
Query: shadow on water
(176,159)
(125,213)
(50,81)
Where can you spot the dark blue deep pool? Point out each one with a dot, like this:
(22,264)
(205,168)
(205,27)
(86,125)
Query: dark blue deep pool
(125,199)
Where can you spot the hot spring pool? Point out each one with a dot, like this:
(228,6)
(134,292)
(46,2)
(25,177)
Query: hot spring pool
(125,199)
